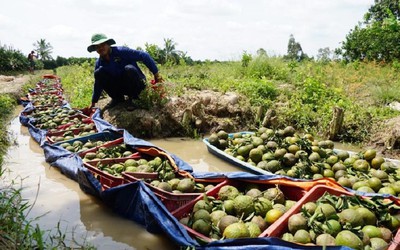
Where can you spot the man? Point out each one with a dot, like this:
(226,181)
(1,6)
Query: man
(31,58)
(117,72)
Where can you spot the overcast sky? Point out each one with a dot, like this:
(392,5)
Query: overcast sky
(205,29)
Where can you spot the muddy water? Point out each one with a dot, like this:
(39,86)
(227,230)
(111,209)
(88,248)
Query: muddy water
(195,153)
(58,199)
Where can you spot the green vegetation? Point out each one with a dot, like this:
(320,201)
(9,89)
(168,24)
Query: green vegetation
(12,60)
(19,232)
(376,38)
(303,94)
(7,104)
(44,49)
(77,82)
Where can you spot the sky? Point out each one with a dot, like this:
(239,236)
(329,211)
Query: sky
(204,29)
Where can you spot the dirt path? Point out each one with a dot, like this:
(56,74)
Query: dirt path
(13,84)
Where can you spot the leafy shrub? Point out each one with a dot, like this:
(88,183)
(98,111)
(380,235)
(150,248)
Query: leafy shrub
(77,82)
(7,104)
(260,92)
(12,59)
(266,67)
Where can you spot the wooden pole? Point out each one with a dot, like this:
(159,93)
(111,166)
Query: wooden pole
(336,123)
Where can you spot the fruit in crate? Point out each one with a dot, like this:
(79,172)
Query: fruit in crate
(103,152)
(49,112)
(78,146)
(45,99)
(342,220)
(284,152)
(69,134)
(116,166)
(235,213)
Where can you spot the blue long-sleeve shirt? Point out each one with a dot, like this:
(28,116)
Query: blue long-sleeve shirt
(120,57)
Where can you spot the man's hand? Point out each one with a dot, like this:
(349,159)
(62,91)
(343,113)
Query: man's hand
(88,110)
(158,78)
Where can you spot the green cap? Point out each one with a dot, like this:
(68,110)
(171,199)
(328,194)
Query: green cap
(98,39)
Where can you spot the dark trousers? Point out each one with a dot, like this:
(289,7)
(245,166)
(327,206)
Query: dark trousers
(129,83)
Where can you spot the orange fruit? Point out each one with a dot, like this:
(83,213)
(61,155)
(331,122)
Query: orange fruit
(375,183)
(328,173)
(377,162)
(273,215)
(387,190)
(361,165)
(369,154)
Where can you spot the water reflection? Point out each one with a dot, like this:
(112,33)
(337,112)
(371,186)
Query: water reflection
(100,219)
(195,153)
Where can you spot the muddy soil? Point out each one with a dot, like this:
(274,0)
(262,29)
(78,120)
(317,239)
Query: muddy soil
(197,113)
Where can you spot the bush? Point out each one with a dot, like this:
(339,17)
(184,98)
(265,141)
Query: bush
(12,60)
(77,82)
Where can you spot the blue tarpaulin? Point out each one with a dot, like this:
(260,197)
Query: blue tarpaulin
(136,202)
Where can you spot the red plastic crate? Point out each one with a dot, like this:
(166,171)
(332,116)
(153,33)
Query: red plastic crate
(138,175)
(51,76)
(107,180)
(46,91)
(67,126)
(171,201)
(290,191)
(75,131)
(33,98)
(47,85)
(81,117)
(36,109)
(105,137)
(281,225)
(109,144)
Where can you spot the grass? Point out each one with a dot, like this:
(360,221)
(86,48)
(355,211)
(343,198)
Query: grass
(19,232)
(77,83)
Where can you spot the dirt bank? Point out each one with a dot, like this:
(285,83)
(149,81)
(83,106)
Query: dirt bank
(194,113)
(13,84)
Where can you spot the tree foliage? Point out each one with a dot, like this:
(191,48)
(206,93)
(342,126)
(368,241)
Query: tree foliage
(377,38)
(168,55)
(381,10)
(294,51)
(12,59)
(246,58)
(324,55)
(261,52)
(44,49)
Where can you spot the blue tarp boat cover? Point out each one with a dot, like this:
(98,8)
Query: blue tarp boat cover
(136,202)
